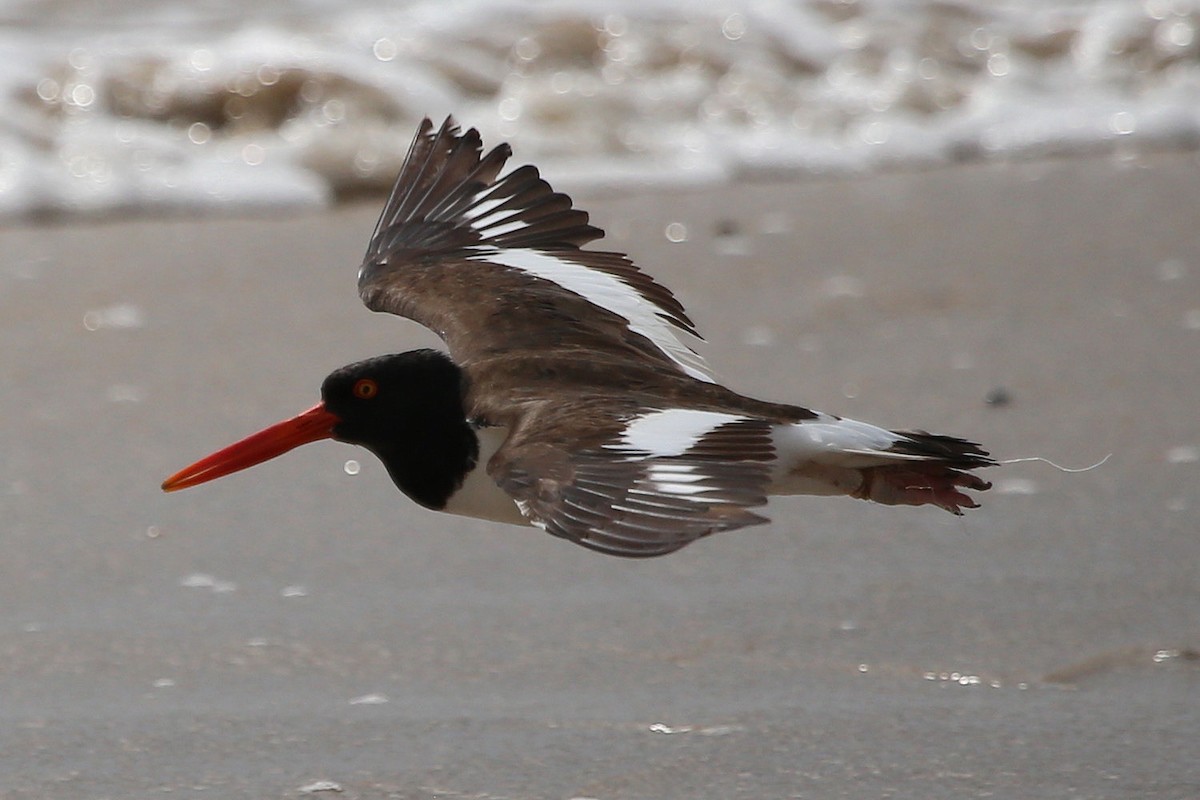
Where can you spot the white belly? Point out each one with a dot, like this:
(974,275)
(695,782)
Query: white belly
(479,496)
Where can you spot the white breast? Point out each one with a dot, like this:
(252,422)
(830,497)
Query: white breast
(479,496)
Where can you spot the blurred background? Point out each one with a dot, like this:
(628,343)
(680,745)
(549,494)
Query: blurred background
(976,217)
(189,106)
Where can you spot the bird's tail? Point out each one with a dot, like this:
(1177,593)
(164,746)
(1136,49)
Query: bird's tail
(829,455)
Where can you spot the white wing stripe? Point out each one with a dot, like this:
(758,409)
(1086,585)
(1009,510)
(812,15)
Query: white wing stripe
(499,228)
(607,292)
(483,206)
(670,432)
(488,219)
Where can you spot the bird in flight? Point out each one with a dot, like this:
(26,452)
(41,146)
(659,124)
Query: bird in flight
(571,398)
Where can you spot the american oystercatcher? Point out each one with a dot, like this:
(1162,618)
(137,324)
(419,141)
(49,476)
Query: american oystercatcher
(570,399)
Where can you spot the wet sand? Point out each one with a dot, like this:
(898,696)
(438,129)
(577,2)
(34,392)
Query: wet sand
(294,624)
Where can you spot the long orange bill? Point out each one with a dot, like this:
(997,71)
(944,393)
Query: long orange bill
(315,424)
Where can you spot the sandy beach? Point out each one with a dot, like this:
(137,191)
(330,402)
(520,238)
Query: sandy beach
(299,631)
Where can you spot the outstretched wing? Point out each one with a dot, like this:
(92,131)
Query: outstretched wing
(494,265)
(648,487)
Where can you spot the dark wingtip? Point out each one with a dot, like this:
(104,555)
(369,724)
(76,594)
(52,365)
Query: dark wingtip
(951,450)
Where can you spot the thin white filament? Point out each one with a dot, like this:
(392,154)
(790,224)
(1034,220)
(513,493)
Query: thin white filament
(1058,467)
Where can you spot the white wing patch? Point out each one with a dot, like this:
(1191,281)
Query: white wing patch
(666,434)
(670,432)
(489,221)
(607,292)
(678,479)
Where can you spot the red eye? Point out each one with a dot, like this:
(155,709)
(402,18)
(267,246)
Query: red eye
(365,388)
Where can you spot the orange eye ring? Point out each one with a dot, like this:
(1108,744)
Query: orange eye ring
(365,388)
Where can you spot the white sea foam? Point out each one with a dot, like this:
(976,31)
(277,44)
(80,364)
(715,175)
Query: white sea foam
(174,105)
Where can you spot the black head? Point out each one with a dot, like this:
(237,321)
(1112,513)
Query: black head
(382,400)
(407,409)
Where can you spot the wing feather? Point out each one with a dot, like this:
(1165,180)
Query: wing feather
(623,499)
(458,242)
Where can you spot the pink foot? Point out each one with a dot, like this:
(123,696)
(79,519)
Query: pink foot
(918,484)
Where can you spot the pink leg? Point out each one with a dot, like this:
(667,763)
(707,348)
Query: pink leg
(915,484)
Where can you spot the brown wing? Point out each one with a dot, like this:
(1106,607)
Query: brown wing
(614,493)
(493,264)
